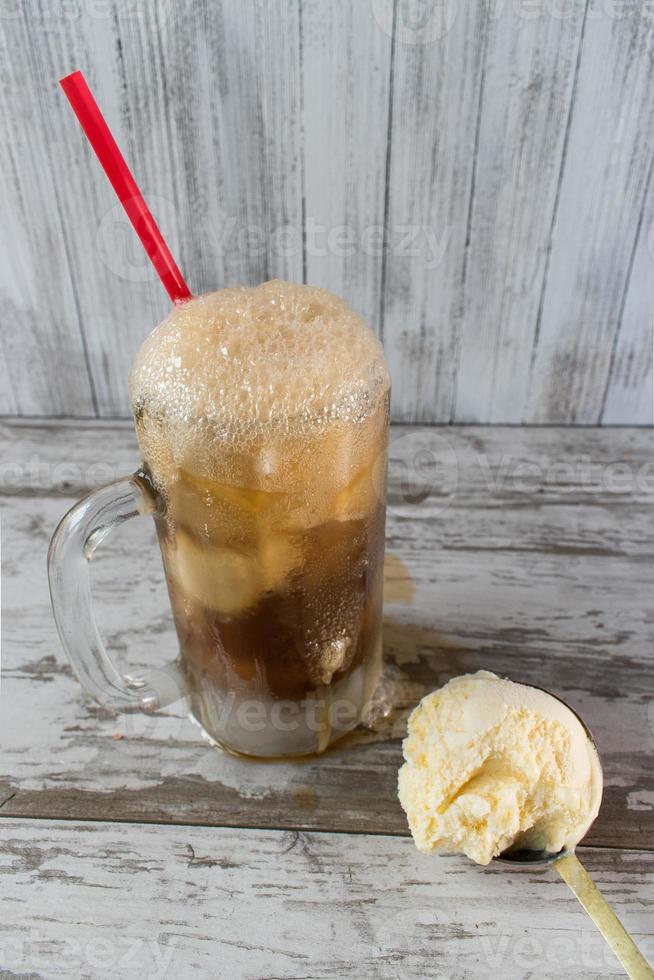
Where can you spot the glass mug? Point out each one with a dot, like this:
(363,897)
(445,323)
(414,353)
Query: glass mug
(273,553)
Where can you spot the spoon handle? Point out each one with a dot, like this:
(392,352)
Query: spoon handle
(584,888)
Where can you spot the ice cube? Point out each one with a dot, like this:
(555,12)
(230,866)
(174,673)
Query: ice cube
(360,497)
(217,511)
(223,579)
(231,580)
(277,556)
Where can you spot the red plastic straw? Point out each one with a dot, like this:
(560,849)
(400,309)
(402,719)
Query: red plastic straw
(113,163)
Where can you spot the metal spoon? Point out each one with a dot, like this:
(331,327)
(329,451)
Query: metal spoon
(585,890)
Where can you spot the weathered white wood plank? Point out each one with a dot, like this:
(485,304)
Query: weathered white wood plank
(602,194)
(630,389)
(241,140)
(205,102)
(530,553)
(113,300)
(8,403)
(437,71)
(98,900)
(42,342)
(209,98)
(128,52)
(346,60)
(251,125)
(528,76)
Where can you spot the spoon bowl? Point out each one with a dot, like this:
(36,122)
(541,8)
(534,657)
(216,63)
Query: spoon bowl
(531,856)
(583,887)
(525,855)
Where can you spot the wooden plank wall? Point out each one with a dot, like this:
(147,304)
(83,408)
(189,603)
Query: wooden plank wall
(475,178)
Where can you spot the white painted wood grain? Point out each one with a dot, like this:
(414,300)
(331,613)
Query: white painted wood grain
(346,59)
(205,103)
(41,330)
(210,102)
(630,387)
(121,298)
(8,403)
(528,75)
(249,124)
(603,185)
(105,292)
(100,900)
(435,102)
(530,553)
(532,558)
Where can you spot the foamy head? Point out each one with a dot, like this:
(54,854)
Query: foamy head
(230,371)
(243,360)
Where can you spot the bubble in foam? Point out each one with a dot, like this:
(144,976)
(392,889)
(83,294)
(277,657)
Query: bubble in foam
(247,361)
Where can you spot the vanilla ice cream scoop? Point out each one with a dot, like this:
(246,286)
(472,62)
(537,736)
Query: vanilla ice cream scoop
(493,765)
(496,768)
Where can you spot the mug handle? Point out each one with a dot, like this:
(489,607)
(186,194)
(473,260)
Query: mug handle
(71,550)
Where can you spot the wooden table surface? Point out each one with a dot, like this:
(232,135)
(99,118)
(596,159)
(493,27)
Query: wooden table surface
(128,846)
